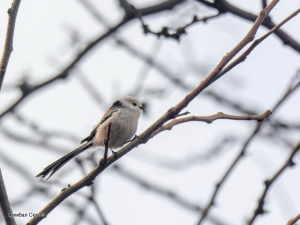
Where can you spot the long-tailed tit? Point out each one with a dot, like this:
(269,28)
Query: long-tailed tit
(123,116)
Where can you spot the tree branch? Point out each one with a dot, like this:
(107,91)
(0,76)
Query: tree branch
(210,119)
(165,193)
(264,3)
(5,205)
(243,56)
(165,30)
(288,163)
(224,7)
(294,220)
(8,46)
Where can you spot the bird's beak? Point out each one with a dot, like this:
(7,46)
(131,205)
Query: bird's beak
(141,107)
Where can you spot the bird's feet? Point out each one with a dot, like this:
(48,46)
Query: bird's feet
(114,153)
(135,137)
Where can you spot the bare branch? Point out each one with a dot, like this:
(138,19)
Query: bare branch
(264,3)
(224,6)
(210,119)
(5,205)
(243,56)
(190,160)
(8,46)
(269,182)
(294,220)
(163,192)
(99,211)
(165,30)
(89,87)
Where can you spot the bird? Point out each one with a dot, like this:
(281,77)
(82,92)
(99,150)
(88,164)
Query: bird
(123,116)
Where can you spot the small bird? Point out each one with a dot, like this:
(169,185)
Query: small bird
(123,116)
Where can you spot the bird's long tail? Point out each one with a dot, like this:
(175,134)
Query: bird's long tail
(52,168)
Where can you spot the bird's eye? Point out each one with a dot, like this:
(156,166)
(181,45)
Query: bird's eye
(134,104)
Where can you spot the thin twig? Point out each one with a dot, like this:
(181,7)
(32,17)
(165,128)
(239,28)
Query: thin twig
(269,182)
(190,160)
(243,56)
(294,220)
(89,87)
(99,211)
(95,203)
(165,30)
(264,3)
(8,46)
(210,119)
(164,192)
(5,205)
(224,6)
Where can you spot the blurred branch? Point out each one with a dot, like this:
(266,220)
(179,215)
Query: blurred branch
(224,6)
(99,211)
(294,220)
(8,45)
(221,98)
(28,89)
(80,213)
(45,134)
(165,30)
(4,204)
(269,182)
(144,137)
(17,167)
(89,87)
(264,3)
(145,71)
(157,65)
(210,119)
(166,193)
(99,18)
(290,90)
(36,186)
(192,159)
(33,142)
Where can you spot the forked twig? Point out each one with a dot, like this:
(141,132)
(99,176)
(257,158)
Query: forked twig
(294,220)
(210,119)
(288,163)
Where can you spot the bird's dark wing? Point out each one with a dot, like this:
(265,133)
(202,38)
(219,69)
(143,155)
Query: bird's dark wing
(113,109)
(92,134)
